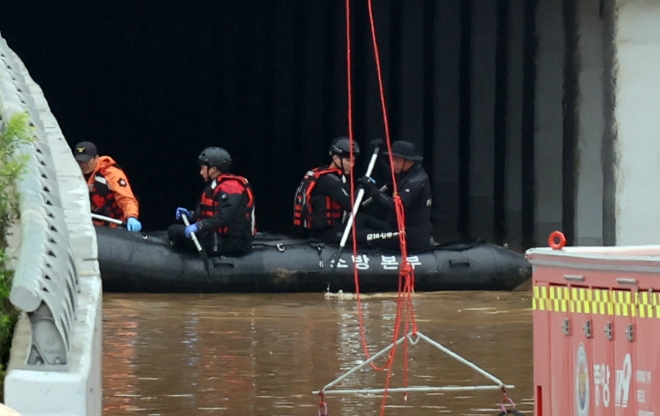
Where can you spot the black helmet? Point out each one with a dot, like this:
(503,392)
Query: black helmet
(216,156)
(341,146)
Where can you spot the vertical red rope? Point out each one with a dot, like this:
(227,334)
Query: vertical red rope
(406,272)
(349,79)
(404,304)
(381,88)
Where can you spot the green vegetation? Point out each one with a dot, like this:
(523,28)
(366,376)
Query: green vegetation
(12,134)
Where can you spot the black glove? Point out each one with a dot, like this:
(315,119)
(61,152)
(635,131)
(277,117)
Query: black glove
(368,184)
(374,144)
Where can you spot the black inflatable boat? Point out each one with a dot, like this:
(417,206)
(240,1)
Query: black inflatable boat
(134,262)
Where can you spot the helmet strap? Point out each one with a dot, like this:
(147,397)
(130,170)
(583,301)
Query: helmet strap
(340,164)
(217,172)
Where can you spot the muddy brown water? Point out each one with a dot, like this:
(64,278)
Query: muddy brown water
(264,354)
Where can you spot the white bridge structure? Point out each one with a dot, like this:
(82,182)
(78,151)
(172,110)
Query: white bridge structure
(55,364)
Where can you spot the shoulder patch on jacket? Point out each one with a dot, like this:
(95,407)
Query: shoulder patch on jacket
(122,182)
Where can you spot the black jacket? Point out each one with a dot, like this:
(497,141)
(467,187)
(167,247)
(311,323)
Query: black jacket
(234,210)
(332,186)
(415,192)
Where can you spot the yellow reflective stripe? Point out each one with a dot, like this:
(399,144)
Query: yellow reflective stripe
(565,299)
(596,301)
(544,297)
(643,301)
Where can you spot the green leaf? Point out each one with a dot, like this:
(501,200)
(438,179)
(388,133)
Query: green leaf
(13,133)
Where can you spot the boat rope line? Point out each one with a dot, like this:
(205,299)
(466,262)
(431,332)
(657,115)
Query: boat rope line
(405,313)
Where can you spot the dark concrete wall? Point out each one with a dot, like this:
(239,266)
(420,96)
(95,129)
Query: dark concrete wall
(155,82)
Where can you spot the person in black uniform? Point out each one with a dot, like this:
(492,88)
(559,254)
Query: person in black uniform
(415,193)
(323,200)
(224,218)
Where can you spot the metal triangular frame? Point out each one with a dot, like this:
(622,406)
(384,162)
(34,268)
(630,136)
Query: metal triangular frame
(327,390)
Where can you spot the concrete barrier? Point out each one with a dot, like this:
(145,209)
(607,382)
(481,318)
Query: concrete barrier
(8,411)
(55,363)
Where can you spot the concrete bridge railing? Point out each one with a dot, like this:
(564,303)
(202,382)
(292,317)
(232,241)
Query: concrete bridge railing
(55,364)
(45,283)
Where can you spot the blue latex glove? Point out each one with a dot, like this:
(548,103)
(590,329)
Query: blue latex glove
(132,224)
(192,228)
(183,211)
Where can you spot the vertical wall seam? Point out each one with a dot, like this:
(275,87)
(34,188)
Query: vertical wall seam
(570,118)
(463,225)
(499,121)
(528,123)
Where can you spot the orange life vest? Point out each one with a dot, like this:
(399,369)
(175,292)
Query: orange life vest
(243,225)
(102,198)
(315,214)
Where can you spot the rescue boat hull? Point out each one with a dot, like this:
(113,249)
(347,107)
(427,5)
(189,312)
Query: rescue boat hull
(134,262)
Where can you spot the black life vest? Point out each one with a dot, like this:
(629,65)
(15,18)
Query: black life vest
(243,225)
(318,213)
(102,198)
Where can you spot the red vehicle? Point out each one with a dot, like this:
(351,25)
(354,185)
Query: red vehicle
(596,329)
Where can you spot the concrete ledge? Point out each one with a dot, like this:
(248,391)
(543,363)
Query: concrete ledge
(77,391)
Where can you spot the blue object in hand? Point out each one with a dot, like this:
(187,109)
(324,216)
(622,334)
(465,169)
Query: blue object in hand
(366,181)
(192,228)
(132,224)
(368,184)
(182,211)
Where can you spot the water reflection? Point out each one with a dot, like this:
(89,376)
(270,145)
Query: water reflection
(264,354)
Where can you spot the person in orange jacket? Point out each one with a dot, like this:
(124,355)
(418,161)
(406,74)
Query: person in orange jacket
(110,193)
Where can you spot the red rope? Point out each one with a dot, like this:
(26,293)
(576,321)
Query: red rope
(404,304)
(323,406)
